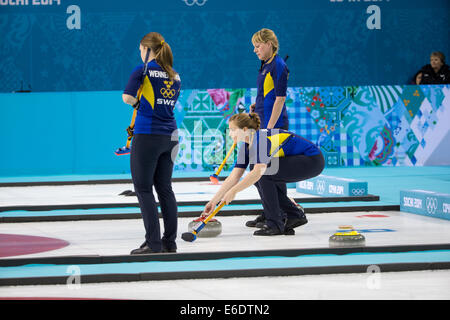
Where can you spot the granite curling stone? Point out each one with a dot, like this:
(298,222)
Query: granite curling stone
(347,237)
(212,229)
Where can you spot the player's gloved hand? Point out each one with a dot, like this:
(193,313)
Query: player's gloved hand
(136,104)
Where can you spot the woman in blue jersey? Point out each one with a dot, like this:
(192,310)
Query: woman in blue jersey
(154,142)
(274,155)
(271,83)
(271,91)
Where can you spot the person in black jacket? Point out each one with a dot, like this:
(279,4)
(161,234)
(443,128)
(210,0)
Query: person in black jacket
(437,72)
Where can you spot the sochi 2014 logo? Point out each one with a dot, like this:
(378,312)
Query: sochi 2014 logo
(431,204)
(190,3)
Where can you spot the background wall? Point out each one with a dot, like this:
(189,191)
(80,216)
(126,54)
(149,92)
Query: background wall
(349,63)
(78,132)
(82,45)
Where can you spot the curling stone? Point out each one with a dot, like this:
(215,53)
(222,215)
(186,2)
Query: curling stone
(347,237)
(212,229)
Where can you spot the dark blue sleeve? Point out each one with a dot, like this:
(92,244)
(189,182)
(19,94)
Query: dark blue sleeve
(281,81)
(242,159)
(134,82)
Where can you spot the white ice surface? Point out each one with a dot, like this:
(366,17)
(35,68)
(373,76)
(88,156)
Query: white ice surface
(109,193)
(433,285)
(118,237)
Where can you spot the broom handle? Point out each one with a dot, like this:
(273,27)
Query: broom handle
(139,93)
(133,118)
(226,158)
(214,213)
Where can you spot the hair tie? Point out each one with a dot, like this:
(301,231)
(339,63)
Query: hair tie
(162,42)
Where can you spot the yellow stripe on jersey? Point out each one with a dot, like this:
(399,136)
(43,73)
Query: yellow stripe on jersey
(275,141)
(268,84)
(147,92)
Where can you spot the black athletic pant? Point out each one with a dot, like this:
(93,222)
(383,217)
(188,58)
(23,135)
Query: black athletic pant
(152,165)
(282,187)
(274,197)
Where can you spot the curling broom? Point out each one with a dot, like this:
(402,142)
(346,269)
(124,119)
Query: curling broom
(191,236)
(214,177)
(126,149)
(130,130)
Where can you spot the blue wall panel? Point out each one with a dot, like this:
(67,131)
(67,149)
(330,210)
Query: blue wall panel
(328,41)
(62,133)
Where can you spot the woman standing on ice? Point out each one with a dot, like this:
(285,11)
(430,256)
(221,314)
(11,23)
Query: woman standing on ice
(271,82)
(271,92)
(153,149)
(274,156)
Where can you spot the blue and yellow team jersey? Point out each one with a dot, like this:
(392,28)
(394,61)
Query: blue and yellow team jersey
(158,97)
(272,83)
(271,143)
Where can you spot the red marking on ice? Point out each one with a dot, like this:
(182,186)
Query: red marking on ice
(210,183)
(372,216)
(16,244)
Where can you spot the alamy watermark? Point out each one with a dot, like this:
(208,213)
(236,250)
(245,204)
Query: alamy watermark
(373,281)
(73,282)
(211,147)
(373,21)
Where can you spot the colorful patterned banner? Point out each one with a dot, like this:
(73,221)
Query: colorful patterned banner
(354,126)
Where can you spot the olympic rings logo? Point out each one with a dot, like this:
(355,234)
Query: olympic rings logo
(167,93)
(431,204)
(320,186)
(358,192)
(190,3)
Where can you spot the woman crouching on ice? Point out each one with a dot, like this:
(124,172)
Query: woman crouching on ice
(275,156)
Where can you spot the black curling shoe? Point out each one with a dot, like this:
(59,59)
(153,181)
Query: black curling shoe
(257,223)
(292,223)
(144,249)
(260,225)
(168,250)
(267,231)
(289,232)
